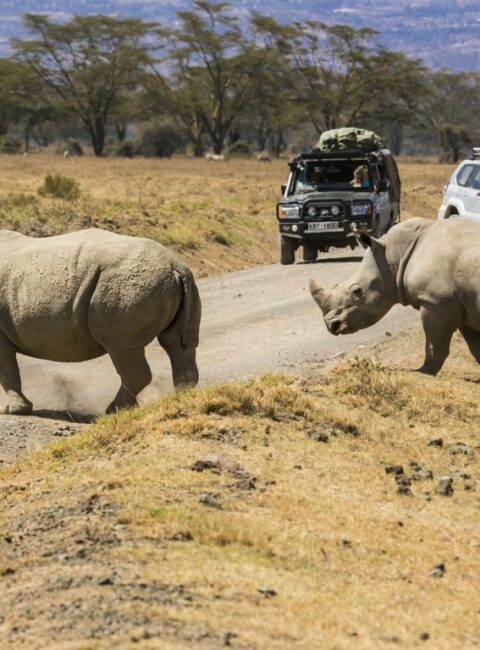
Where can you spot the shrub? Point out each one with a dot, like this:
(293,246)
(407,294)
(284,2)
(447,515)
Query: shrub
(161,140)
(10,144)
(71,145)
(60,187)
(239,149)
(127,149)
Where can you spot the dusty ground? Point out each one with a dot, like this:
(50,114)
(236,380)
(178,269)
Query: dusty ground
(330,510)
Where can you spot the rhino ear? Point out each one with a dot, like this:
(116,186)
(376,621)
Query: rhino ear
(367,241)
(317,292)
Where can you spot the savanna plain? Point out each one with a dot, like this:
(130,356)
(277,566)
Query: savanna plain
(334,507)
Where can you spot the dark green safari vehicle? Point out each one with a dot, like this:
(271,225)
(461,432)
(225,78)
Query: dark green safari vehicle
(331,193)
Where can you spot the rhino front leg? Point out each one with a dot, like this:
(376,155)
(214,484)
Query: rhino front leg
(17,403)
(438,334)
(134,373)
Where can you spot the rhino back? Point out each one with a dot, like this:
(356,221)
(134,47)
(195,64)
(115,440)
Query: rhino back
(444,270)
(47,286)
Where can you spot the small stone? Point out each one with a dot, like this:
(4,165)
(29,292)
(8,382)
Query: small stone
(438,571)
(390,638)
(297,467)
(267,592)
(459,448)
(424,636)
(435,442)
(394,469)
(388,334)
(318,436)
(103,582)
(228,637)
(469,487)
(445,486)
(401,479)
(404,490)
(210,500)
(422,475)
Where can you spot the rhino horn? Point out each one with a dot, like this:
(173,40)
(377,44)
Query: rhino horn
(317,292)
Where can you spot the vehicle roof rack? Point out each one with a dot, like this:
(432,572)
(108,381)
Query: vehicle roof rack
(476,153)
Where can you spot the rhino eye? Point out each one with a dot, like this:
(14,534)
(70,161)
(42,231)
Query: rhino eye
(356,292)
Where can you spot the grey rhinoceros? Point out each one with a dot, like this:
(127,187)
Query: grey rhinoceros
(78,296)
(434,266)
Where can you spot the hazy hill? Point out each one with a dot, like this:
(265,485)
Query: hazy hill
(441,32)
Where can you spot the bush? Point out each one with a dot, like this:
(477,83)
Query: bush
(239,149)
(127,149)
(10,144)
(71,145)
(161,140)
(60,187)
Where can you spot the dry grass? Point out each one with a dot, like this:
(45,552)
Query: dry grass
(348,557)
(218,216)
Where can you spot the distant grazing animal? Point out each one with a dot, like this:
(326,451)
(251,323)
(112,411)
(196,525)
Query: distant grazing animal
(85,294)
(214,156)
(66,154)
(434,266)
(263,157)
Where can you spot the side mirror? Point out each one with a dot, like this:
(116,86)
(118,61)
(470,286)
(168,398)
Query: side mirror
(283,189)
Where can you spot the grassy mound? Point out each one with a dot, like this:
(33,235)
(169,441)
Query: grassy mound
(255,515)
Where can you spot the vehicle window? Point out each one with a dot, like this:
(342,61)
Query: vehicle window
(464,174)
(474,180)
(325,176)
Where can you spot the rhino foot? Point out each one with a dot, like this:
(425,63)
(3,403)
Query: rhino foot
(115,406)
(17,407)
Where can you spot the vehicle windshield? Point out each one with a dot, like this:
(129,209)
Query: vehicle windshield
(332,175)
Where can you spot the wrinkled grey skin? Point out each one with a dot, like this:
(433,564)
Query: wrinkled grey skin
(434,266)
(78,296)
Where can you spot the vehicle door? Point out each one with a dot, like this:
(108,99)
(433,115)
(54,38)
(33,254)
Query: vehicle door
(471,190)
(462,195)
(383,208)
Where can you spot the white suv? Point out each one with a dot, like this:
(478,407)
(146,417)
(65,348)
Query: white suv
(461,196)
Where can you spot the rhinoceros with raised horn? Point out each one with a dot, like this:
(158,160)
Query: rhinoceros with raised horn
(434,266)
(78,296)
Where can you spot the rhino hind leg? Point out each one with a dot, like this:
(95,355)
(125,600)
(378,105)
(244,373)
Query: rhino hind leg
(135,375)
(472,339)
(438,334)
(17,403)
(182,359)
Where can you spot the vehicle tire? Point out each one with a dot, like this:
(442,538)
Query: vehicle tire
(287,250)
(309,253)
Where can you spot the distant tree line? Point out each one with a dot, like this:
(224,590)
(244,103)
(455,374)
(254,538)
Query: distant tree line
(215,82)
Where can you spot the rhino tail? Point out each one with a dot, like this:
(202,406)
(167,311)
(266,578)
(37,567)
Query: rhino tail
(189,312)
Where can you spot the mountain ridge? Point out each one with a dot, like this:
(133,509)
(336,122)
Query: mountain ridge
(442,33)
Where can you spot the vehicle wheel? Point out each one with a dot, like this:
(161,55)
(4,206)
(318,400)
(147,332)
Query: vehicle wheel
(287,250)
(309,253)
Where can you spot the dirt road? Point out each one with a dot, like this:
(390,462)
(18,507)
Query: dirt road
(254,320)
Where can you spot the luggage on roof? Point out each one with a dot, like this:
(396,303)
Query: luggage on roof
(349,138)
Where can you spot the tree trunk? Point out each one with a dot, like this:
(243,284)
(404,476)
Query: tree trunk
(97,135)
(121,129)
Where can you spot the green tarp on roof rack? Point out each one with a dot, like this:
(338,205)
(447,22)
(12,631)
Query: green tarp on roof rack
(349,138)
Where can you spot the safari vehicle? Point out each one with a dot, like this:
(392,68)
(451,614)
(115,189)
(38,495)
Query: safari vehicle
(329,194)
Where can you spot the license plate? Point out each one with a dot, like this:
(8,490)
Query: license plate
(325,225)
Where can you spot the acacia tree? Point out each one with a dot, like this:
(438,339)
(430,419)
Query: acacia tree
(214,68)
(450,108)
(87,63)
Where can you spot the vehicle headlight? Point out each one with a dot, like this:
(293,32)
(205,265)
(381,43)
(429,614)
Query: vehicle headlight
(288,211)
(335,210)
(312,211)
(361,209)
